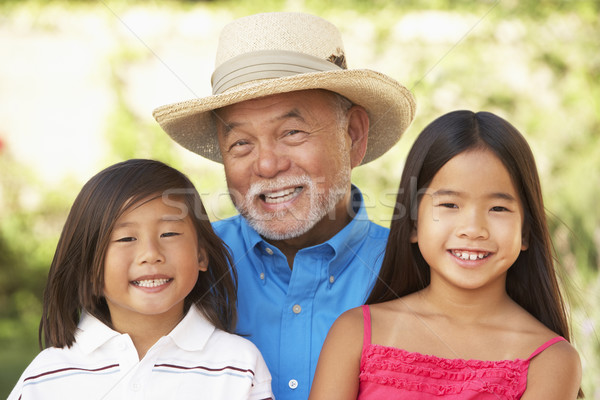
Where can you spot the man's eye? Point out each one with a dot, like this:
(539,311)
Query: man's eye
(239,143)
(240,147)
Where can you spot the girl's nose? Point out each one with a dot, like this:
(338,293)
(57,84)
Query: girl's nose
(473,225)
(151,253)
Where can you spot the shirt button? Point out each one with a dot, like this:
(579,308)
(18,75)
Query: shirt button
(293,384)
(269,251)
(331,279)
(296,309)
(262,275)
(135,387)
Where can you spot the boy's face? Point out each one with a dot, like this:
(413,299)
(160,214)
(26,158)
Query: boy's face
(151,265)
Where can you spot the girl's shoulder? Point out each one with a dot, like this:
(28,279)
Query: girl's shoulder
(231,342)
(350,321)
(347,331)
(554,373)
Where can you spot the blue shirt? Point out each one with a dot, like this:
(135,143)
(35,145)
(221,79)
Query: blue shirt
(288,312)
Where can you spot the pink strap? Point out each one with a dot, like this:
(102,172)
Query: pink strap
(367,324)
(546,345)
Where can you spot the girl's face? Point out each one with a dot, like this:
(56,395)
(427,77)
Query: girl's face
(470,222)
(152,263)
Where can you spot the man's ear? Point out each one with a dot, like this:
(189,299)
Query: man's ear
(202,260)
(358,130)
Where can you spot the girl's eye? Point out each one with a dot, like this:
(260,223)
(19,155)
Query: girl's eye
(499,209)
(169,234)
(448,205)
(125,239)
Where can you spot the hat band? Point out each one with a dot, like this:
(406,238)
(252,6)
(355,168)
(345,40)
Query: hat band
(265,64)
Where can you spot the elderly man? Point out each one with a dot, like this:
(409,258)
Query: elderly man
(289,122)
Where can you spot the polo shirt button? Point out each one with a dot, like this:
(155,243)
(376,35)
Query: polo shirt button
(293,384)
(262,275)
(296,309)
(269,251)
(135,387)
(331,279)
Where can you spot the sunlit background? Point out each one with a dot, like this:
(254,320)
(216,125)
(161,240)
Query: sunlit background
(79,80)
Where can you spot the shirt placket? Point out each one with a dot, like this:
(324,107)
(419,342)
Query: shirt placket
(296,325)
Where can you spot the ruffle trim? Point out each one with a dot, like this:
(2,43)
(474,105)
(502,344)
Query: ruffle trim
(380,363)
(508,393)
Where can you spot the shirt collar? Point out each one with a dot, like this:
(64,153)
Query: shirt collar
(92,333)
(190,334)
(345,241)
(341,245)
(194,330)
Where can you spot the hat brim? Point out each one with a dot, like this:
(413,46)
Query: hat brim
(391,108)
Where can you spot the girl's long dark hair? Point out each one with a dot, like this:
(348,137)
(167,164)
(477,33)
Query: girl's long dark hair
(76,277)
(531,281)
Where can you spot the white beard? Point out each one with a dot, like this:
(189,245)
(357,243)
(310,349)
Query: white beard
(299,221)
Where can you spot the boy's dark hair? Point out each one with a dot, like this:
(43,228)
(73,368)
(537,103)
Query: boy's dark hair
(76,277)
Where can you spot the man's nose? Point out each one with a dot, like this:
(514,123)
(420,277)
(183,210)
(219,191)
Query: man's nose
(270,161)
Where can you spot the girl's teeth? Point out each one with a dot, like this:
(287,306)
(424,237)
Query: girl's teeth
(470,256)
(149,283)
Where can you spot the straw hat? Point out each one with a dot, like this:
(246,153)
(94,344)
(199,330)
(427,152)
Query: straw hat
(279,52)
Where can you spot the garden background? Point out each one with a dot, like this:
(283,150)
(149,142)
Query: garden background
(79,80)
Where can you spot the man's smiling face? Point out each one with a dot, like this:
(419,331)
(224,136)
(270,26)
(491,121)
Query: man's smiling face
(287,161)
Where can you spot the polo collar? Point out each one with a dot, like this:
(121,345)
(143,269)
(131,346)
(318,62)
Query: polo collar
(92,333)
(190,334)
(194,330)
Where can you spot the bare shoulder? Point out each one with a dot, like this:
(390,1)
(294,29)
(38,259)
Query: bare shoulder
(560,356)
(336,375)
(555,373)
(346,334)
(350,323)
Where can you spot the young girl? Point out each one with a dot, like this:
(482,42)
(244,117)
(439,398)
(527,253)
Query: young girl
(467,305)
(140,298)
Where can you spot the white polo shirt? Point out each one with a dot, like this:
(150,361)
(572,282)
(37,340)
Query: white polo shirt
(194,361)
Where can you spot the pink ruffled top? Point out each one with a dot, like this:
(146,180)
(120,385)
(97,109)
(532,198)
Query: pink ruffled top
(392,373)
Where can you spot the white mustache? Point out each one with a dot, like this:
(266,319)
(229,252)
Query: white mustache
(258,188)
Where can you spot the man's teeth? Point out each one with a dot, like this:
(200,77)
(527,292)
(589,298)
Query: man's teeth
(281,196)
(151,282)
(470,255)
